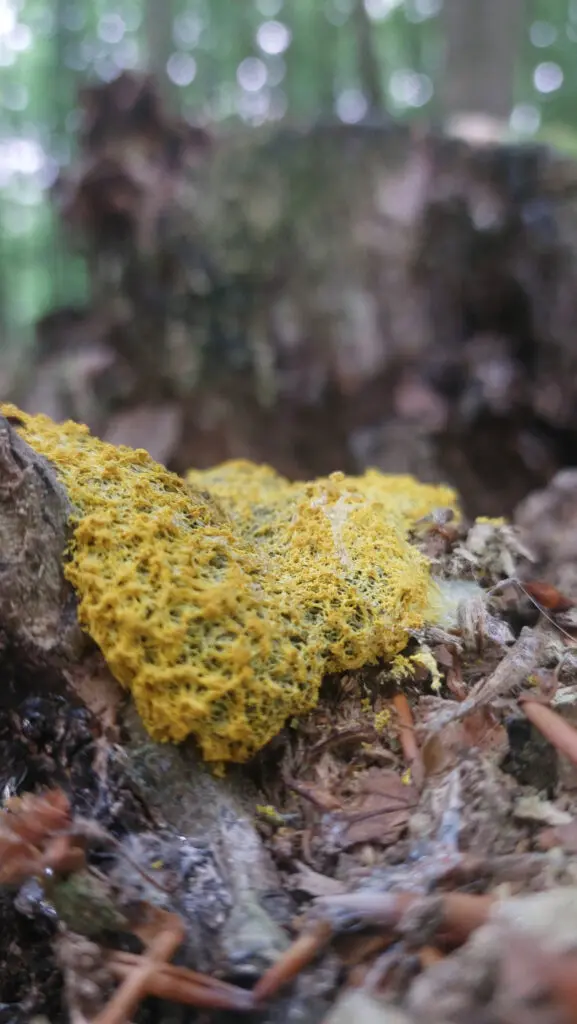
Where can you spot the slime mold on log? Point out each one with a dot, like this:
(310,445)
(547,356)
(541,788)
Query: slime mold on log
(222,601)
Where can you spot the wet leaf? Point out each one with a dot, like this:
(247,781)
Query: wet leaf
(380,812)
(548,596)
(441,751)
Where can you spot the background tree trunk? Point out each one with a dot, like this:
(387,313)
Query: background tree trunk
(158,22)
(370,69)
(482,43)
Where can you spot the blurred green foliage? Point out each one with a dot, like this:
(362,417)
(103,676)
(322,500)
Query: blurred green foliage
(227,60)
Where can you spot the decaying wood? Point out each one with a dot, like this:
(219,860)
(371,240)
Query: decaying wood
(235,882)
(37,605)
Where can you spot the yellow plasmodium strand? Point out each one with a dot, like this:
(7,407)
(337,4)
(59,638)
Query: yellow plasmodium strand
(222,601)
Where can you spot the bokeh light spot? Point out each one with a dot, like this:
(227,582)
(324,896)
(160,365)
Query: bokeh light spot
(251,74)
(181,69)
(525,119)
(111,28)
(542,33)
(187,29)
(351,106)
(378,10)
(273,37)
(407,88)
(548,77)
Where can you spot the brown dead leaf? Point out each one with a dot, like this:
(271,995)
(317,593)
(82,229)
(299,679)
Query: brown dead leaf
(97,688)
(379,812)
(315,884)
(28,825)
(548,596)
(357,949)
(441,751)
(317,795)
(33,816)
(560,835)
(530,974)
(443,656)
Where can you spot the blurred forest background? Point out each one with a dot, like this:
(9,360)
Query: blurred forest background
(317,233)
(253,61)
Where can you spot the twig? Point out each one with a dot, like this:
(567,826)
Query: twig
(303,951)
(398,805)
(120,959)
(552,726)
(325,802)
(411,752)
(361,734)
(180,988)
(460,913)
(510,674)
(135,986)
(384,910)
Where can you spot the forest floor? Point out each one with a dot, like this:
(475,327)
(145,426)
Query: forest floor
(405,853)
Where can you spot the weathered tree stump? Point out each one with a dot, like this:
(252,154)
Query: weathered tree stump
(319,299)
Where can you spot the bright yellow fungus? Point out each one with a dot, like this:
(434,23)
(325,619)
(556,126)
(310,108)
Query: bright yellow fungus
(222,601)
